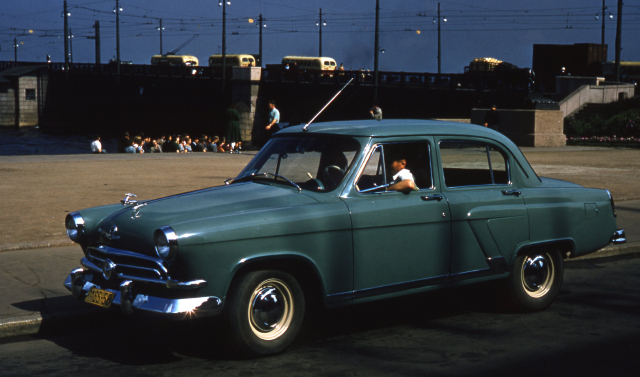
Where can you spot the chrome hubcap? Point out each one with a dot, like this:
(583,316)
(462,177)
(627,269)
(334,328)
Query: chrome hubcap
(270,309)
(538,274)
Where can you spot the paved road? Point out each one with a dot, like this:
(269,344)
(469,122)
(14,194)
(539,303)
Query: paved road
(593,329)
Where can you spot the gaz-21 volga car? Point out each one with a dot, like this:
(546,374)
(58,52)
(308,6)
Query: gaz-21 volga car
(317,216)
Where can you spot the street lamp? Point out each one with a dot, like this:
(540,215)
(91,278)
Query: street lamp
(603,18)
(15,50)
(260,26)
(70,46)
(66,16)
(320,24)
(161,28)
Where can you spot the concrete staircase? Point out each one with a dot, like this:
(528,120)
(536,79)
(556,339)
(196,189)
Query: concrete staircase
(590,110)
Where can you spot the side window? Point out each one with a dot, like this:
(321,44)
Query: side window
(378,170)
(472,164)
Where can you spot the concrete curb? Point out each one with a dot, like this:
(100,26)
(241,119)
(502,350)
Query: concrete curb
(35,323)
(611,251)
(16,326)
(36,245)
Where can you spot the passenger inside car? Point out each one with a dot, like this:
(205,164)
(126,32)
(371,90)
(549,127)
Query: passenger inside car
(401,177)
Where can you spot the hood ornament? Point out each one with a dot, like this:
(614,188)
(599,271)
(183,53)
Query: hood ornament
(126,201)
(136,210)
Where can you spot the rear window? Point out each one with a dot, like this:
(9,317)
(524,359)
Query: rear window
(473,164)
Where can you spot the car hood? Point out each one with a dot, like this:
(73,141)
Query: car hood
(132,228)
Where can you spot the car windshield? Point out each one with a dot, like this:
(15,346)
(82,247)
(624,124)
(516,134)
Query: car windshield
(317,163)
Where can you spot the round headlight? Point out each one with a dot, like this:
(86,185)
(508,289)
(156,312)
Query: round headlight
(75,226)
(166,243)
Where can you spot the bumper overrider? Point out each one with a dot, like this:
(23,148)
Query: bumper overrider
(131,269)
(619,237)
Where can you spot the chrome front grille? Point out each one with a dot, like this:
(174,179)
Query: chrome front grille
(127,265)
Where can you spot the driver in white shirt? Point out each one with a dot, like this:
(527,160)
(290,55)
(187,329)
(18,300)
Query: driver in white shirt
(402,178)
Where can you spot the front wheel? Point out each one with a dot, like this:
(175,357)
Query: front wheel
(535,280)
(265,310)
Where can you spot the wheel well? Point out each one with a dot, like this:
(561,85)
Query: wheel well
(565,247)
(306,275)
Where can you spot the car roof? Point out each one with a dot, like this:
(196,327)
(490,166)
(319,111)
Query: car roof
(396,127)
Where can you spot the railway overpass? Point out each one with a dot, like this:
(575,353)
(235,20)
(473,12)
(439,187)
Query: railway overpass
(155,99)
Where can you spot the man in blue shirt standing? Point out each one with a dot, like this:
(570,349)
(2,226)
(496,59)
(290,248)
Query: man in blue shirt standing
(274,119)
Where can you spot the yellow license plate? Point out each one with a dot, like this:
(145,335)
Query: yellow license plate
(99,297)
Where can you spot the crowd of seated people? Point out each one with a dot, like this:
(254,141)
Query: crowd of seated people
(175,144)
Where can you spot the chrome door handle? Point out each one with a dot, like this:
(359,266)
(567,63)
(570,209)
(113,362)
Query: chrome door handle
(436,197)
(512,192)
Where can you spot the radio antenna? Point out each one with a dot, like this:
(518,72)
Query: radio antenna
(325,106)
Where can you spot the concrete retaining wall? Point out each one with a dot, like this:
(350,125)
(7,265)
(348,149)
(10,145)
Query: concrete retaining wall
(7,106)
(528,128)
(28,107)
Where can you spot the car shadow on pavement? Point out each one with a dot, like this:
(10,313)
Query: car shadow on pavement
(144,339)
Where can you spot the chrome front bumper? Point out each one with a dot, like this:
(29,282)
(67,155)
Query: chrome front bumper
(619,237)
(79,283)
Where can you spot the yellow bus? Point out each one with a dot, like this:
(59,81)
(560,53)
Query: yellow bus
(310,62)
(629,71)
(241,60)
(175,60)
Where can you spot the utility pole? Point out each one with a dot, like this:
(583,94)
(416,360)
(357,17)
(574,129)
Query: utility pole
(224,42)
(161,28)
(439,48)
(618,40)
(260,49)
(66,37)
(97,37)
(602,40)
(375,55)
(320,43)
(117,10)
(15,50)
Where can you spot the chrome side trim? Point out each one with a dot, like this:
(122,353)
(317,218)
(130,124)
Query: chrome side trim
(497,266)
(197,306)
(339,297)
(168,282)
(619,237)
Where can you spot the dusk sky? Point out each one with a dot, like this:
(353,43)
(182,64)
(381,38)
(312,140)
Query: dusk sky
(502,29)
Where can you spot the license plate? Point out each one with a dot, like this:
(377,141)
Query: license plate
(100,297)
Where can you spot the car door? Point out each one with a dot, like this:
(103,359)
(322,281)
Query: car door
(401,241)
(488,213)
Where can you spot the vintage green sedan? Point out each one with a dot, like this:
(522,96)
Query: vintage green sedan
(342,213)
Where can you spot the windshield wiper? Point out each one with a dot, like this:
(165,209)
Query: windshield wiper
(254,175)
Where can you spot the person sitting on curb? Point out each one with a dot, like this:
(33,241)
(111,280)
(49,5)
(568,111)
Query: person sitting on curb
(96,146)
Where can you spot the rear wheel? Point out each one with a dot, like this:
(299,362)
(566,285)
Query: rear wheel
(265,310)
(535,279)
